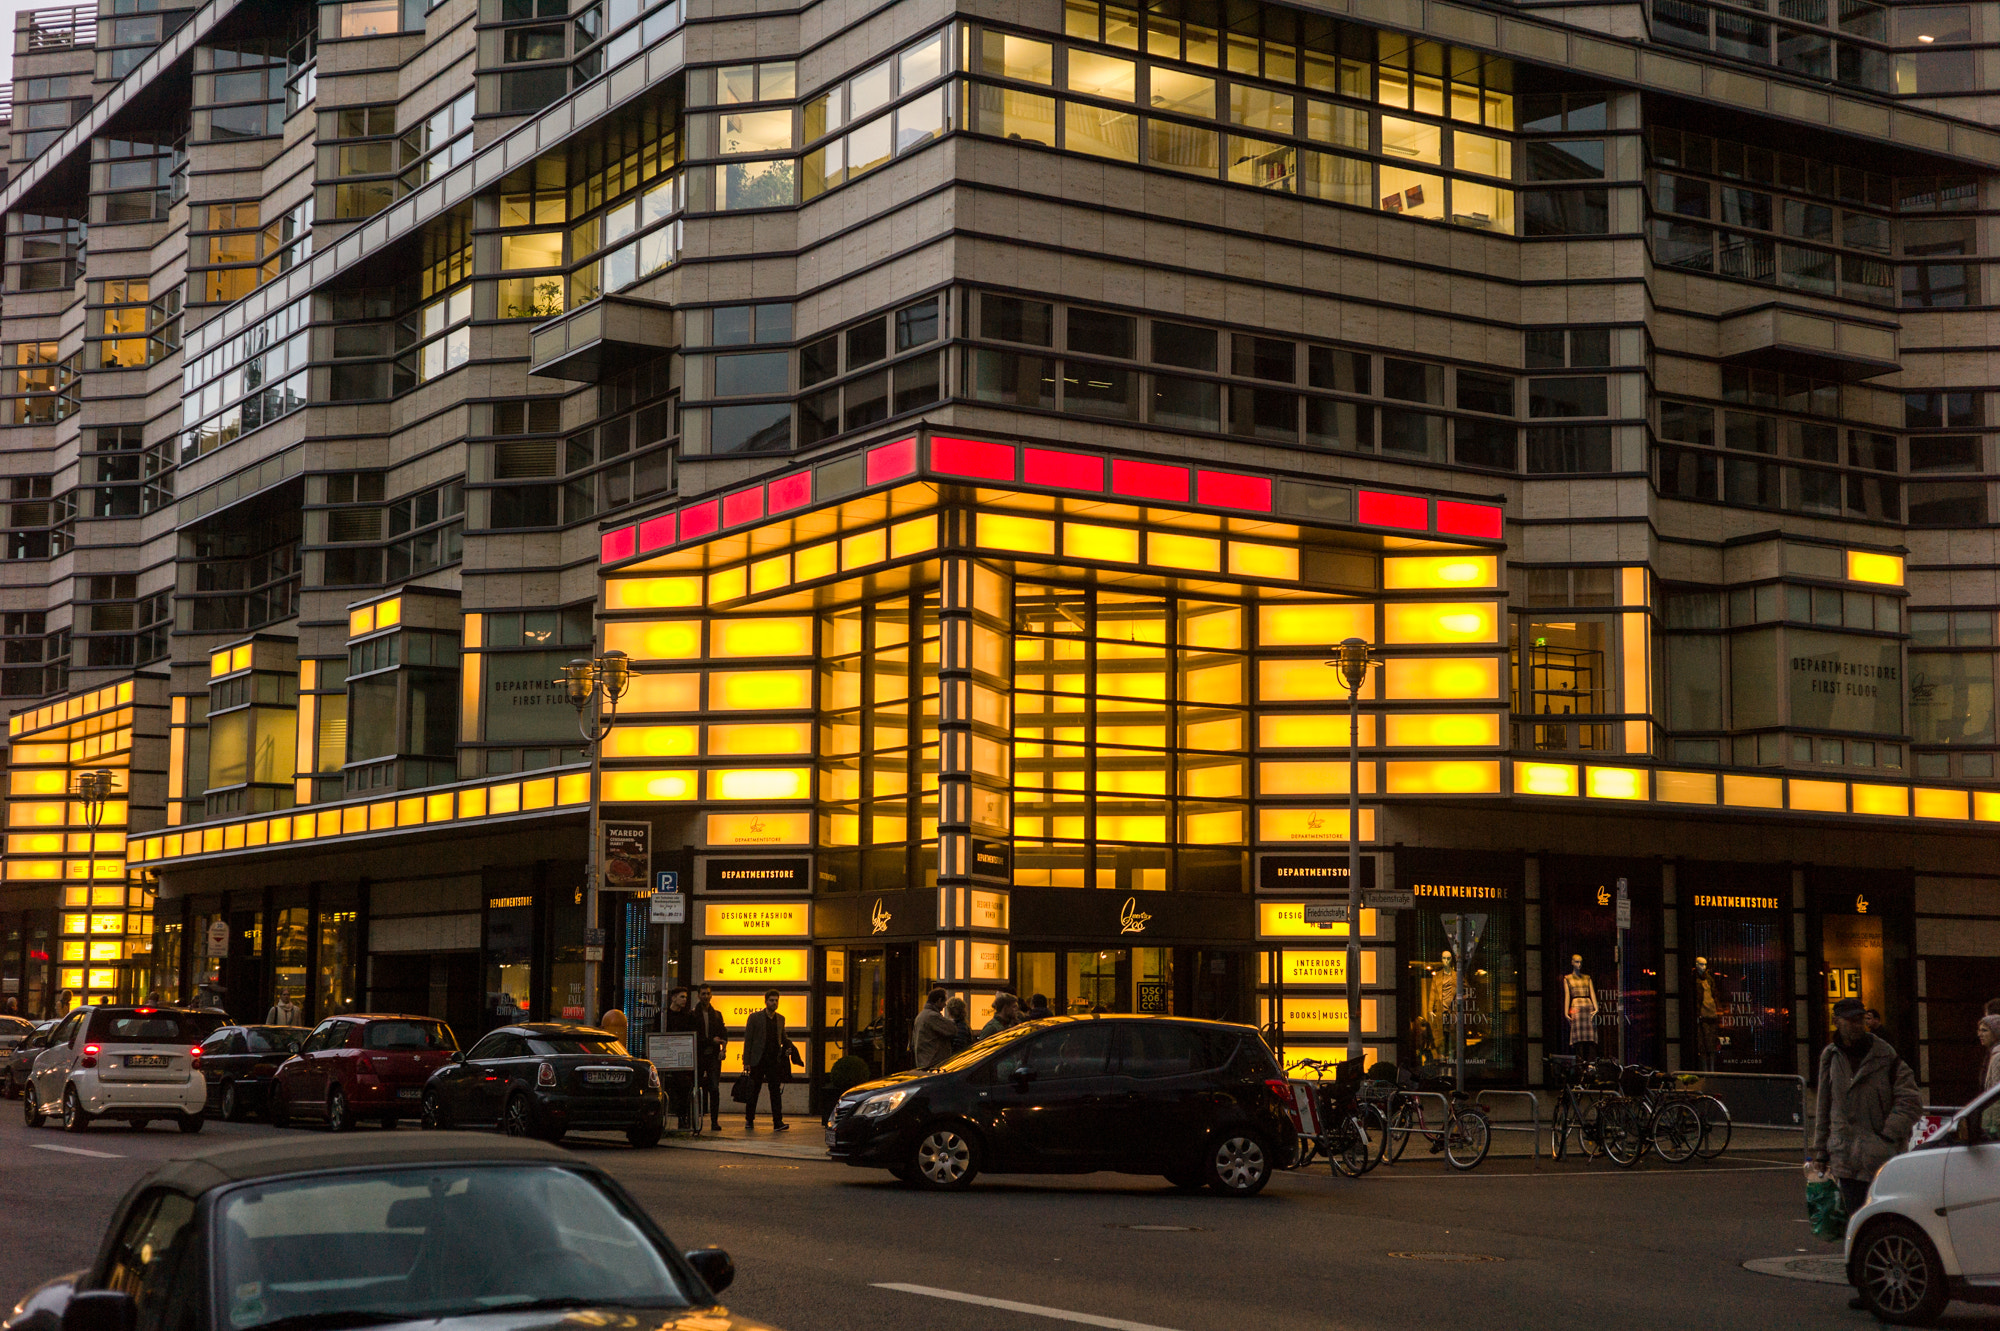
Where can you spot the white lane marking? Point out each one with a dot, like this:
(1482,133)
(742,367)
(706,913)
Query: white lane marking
(1032,1309)
(78,1150)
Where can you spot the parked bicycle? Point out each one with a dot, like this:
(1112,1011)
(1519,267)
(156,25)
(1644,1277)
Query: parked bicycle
(1685,1123)
(1462,1134)
(1592,1106)
(1348,1133)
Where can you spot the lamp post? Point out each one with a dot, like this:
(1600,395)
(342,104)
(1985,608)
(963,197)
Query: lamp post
(591,682)
(1352,659)
(93,790)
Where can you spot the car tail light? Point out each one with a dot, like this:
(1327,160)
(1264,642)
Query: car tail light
(89,1059)
(547,1075)
(196,1053)
(366,1065)
(1281,1091)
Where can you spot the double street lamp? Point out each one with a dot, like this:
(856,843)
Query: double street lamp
(592,682)
(1352,658)
(93,790)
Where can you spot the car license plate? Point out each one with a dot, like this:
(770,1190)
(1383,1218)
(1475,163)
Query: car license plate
(602,1078)
(410,1093)
(145,1060)
(829,1136)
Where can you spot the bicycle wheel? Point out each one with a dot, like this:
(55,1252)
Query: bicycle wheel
(1624,1133)
(1560,1129)
(1377,1130)
(1676,1132)
(1467,1138)
(1349,1148)
(1406,1120)
(1715,1127)
(1590,1130)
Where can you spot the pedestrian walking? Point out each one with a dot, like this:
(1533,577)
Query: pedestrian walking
(767,1061)
(1867,1103)
(1989,1039)
(961,1035)
(931,1033)
(714,1042)
(284,1012)
(1006,1015)
(1038,1008)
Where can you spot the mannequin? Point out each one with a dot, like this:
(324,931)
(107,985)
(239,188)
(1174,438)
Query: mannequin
(1580,1007)
(1708,1013)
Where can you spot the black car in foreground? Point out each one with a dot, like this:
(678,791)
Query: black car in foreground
(238,1062)
(544,1079)
(452,1231)
(1201,1102)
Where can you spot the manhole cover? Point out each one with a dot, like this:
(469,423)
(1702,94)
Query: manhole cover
(1447,1257)
(1158,1229)
(1819,1270)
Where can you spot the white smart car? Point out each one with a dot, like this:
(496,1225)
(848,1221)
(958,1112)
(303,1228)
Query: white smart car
(1931,1229)
(129,1063)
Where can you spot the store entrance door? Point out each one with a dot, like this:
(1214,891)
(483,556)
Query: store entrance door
(1958,989)
(867,1010)
(1214,984)
(899,1006)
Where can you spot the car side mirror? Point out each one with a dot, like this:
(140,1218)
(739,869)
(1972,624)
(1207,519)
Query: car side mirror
(715,1267)
(1022,1076)
(458,1056)
(100,1310)
(293,1046)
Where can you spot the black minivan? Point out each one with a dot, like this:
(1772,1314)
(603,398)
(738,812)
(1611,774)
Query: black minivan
(1201,1102)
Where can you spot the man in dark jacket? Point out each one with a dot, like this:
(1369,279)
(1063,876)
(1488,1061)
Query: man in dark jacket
(680,1018)
(713,1033)
(1868,1102)
(767,1059)
(1038,1008)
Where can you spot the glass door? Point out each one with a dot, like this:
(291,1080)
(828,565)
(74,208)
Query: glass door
(867,1009)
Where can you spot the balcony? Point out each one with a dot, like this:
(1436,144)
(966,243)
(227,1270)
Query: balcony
(55,29)
(590,344)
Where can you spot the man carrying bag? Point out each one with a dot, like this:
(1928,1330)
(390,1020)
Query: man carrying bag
(1867,1103)
(767,1061)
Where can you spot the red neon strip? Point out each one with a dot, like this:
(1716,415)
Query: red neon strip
(1377,509)
(892,462)
(743,506)
(1469,519)
(656,533)
(699,520)
(789,492)
(1223,489)
(973,457)
(616,545)
(1149,480)
(1062,471)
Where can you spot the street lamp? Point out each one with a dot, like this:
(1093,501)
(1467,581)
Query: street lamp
(1352,659)
(591,682)
(93,790)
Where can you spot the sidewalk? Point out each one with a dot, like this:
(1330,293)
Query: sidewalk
(806,1140)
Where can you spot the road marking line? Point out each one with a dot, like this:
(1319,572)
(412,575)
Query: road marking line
(78,1150)
(1032,1309)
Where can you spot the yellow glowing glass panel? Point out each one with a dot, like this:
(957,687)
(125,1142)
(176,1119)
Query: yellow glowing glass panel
(864,548)
(759,829)
(1440,621)
(1986,806)
(1433,572)
(654,742)
(1431,730)
(37,783)
(1310,730)
(1248,559)
(914,537)
(27,755)
(472,803)
(538,794)
(1615,783)
(659,640)
(573,788)
(756,919)
(1203,554)
(759,690)
(1218,827)
(410,812)
(102,979)
(760,783)
(361,621)
(76,924)
(1003,531)
(1884,801)
(1819,796)
(1320,625)
(1327,1013)
(1304,965)
(663,693)
(731,741)
(653,593)
(72,979)
(1309,680)
(34,869)
(1287,919)
(1544,779)
(1885,570)
(437,808)
(1314,778)
(770,574)
(729,585)
(1444,778)
(647,786)
(754,965)
(1684,787)
(1304,825)
(1118,545)
(1753,792)
(761,637)
(218,663)
(107,924)
(1942,804)
(47,843)
(1459,677)
(504,799)
(389,613)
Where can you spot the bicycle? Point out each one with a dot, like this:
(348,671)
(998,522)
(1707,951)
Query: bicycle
(1347,1132)
(1715,1126)
(1610,1123)
(1464,1137)
(1676,1130)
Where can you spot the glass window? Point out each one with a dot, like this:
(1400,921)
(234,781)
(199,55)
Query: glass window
(1489,393)
(1101,131)
(1099,390)
(1182,94)
(1413,381)
(1341,371)
(1188,404)
(1565,159)
(147,1253)
(1183,345)
(1264,358)
(1102,76)
(1009,57)
(756,373)
(1011,319)
(1101,333)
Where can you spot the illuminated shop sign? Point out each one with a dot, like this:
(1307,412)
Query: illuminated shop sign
(766,919)
(1462,891)
(1735,903)
(1306,873)
(760,829)
(1325,965)
(791,875)
(754,965)
(1286,919)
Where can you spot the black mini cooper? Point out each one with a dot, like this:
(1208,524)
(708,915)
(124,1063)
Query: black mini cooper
(544,1079)
(1201,1102)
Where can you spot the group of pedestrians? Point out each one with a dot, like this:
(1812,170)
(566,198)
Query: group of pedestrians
(943,1027)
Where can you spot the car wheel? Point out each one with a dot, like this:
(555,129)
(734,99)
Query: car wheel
(192,1123)
(337,1117)
(1238,1165)
(1898,1274)
(433,1114)
(232,1103)
(643,1135)
(74,1119)
(519,1118)
(29,1108)
(945,1157)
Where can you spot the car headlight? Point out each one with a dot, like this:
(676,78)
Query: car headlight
(881,1106)
(652,1077)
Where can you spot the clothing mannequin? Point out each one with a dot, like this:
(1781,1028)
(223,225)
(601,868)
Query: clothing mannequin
(1708,1013)
(1580,1007)
(1447,991)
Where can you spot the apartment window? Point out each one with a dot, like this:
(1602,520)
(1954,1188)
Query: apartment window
(45,251)
(241,93)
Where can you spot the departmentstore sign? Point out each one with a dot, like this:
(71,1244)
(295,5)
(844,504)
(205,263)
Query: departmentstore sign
(1841,681)
(1310,873)
(791,874)
(523,703)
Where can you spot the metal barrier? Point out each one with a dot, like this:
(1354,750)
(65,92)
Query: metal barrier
(1444,1116)
(1753,1099)
(1534,1119)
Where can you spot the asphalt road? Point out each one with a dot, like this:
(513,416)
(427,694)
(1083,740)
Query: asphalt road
(1413,1246)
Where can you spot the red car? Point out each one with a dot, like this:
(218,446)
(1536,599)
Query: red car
(361,1065)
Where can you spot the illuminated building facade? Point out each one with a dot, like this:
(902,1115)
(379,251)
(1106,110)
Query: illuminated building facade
(977,427)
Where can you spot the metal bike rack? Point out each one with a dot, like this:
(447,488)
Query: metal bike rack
(1534,1119)
(1776,1087)
(1444,1122)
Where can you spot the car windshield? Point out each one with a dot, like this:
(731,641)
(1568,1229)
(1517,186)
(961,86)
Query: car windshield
(405,1244)
(979,1050)
(148,1026)
(581,1042)
(418,1035)
(273,1039)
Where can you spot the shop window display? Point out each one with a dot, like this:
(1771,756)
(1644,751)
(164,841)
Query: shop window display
(1488,1005)
(1864,937)
(1736,990)
(1581,931)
